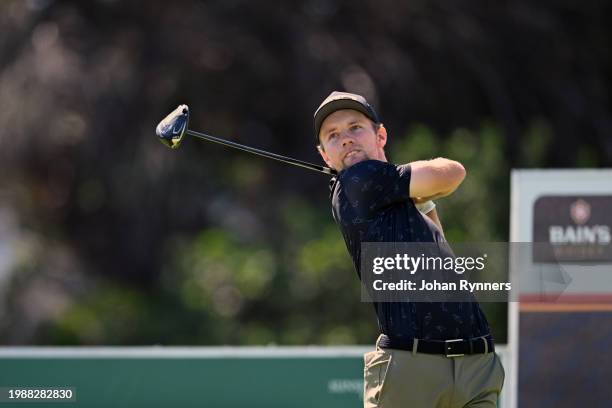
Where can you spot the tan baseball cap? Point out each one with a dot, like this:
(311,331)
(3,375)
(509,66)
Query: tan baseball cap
(342,100)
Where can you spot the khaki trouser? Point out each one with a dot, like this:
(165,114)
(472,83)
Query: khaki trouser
(402,379)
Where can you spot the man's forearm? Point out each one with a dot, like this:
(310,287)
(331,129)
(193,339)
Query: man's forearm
(436,196)
(435,178)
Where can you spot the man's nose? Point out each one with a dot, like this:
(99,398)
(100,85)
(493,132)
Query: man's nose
(346,139)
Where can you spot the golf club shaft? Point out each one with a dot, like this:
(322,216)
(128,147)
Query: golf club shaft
(284,159)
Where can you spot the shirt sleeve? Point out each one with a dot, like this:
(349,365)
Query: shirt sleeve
(372,185)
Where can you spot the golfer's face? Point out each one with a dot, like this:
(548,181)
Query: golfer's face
(348,137)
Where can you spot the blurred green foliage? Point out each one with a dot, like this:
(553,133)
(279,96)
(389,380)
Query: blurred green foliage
(108,238)
(303,289)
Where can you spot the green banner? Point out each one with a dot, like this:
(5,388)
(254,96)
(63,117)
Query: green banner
(253,377)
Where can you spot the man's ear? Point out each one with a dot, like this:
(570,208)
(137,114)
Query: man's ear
(324,156)
(381,136)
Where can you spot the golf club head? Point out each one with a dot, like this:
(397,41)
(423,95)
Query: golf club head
(172,128)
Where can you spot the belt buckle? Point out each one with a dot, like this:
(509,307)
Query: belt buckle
(447,348)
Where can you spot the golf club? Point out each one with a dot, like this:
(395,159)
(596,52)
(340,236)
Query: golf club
(171,130)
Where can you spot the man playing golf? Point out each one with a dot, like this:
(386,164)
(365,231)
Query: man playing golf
(429,354)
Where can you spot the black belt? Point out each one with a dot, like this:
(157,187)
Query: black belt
(450,348)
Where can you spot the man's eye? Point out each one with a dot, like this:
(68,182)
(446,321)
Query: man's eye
(332,136)
(355,127)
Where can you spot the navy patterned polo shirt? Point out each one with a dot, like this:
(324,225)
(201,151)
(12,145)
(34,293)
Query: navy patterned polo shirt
(371,203)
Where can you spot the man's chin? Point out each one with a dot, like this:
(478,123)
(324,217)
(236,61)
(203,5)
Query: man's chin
(354,159)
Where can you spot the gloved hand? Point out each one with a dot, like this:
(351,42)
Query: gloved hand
(425,207)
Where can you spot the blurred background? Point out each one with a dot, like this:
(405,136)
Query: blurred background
(109,238)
